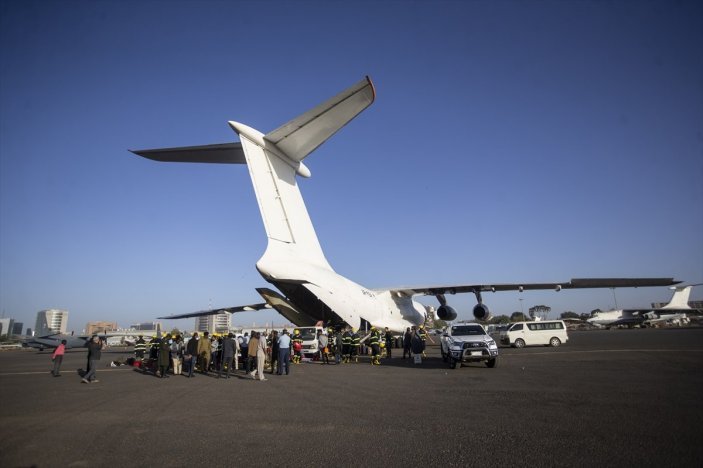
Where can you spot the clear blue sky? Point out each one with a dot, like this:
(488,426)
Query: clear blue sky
(509,142)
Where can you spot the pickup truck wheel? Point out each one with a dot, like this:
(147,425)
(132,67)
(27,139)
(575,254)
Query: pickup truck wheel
(519,343)
(453,363)
(554,342)
(492,363)
(444,356)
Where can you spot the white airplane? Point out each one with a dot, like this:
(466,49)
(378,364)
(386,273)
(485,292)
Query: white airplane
(676,309)
(294,261)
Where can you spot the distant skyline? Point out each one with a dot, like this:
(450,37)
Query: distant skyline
(510,141)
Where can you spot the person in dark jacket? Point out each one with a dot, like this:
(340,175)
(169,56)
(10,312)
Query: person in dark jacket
(94,347)
(229,349)
(274,351)
(192,353)
(388,337)
(164,358)
(407,340)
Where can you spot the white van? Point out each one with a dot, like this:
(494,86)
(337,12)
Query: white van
(547,333)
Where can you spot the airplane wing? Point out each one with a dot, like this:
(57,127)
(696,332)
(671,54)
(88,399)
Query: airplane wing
(231,310)
(575,283)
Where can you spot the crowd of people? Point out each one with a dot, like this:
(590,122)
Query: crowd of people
(223,356)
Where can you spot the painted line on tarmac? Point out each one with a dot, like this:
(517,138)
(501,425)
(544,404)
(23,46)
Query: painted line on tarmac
(63,373)
(646,350)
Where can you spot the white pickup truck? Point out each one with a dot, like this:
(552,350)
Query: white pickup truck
(468,343)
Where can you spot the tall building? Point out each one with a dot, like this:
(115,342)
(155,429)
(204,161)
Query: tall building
(51,321)
(5,326)
(219,323)
(93,328)
(17,328)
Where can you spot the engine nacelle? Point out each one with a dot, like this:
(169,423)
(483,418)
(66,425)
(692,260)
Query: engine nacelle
(481,312)
(446,313)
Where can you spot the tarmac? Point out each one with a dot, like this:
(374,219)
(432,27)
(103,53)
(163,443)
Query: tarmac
(605,398)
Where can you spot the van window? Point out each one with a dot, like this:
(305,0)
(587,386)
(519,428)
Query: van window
(516,327)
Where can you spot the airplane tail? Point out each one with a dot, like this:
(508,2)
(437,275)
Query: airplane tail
(680,298)
(274,160)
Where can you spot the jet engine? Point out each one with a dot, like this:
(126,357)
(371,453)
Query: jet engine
(446,313)
(481,312)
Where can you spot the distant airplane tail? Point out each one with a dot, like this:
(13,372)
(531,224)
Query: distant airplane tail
(680,298)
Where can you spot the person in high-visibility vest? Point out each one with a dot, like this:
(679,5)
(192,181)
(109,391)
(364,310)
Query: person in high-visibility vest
(297,342)
(375,343)
(423,337)
(139,347)
(355,345)
(347,345)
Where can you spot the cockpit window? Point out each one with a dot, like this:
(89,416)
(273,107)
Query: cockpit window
(463,330)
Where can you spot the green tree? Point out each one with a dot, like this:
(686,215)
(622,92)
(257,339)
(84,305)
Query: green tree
(500,319)
(518,317)
(569,314)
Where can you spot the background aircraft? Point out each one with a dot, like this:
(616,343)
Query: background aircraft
(294,261)
(52,341)
(677,308)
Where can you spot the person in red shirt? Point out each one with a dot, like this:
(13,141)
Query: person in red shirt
(57,357)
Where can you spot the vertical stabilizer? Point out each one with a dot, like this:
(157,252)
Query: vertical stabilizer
(680,298)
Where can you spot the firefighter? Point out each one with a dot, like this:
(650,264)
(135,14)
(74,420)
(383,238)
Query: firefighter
(297,342)
(347,345)
(355,345)
(423,337)
(139,348)
(375,343)
(153,347)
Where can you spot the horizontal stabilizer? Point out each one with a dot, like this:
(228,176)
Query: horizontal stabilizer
(225,153)
(284,307)
(305,133)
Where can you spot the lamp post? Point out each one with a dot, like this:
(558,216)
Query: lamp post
(522,310)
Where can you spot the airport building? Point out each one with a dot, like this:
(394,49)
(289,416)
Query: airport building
(146,326)
(93,328)
(219,323)
(51,321)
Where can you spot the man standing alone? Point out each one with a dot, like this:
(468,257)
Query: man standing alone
(57,357)
(94,347)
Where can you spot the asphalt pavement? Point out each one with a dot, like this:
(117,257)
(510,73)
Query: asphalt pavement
(605,398)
